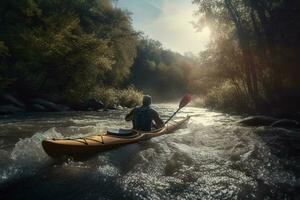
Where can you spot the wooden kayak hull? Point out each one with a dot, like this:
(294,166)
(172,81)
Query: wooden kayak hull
(96,143)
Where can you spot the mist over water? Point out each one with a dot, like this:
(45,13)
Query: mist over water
(211,158)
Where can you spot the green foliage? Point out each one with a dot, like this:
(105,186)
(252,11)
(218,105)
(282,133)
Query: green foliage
(69,50)
(64,56)
(226,97)
(159,71)
(64,49)
(124,42)
(260,61)
(129,97)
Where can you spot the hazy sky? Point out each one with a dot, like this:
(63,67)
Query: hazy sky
(168,21)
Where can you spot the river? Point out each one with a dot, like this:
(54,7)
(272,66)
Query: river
(212,158)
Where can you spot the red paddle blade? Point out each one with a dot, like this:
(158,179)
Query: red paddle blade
(185,100)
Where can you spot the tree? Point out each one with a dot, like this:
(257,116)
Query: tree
(262,49)
(64,49)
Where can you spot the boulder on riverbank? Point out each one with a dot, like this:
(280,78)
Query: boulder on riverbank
(89,105)
(10,109)
(258,120)
(38,108)
(45,105)
(10,99)
(10,104)
(286,123)
(262,120)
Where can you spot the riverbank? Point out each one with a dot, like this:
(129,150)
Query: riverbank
(99,99)
(227,99)
(221,101)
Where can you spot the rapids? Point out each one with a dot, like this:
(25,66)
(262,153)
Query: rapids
(212,158)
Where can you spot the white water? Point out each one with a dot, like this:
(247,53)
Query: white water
(213,158)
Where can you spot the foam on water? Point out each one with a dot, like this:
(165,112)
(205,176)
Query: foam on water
(30,149)
(27,156)
(107,169)
(205,162)
(213,158)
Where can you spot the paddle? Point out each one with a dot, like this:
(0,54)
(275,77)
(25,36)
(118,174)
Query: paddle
(184,101)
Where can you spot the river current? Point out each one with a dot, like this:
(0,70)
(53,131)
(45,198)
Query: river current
(212,158)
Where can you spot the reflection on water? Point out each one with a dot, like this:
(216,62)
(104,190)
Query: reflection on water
(212,158)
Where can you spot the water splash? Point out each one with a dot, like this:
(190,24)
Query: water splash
(29,150)
(27,156)
(213,158)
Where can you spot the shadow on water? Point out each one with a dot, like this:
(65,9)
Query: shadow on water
(77,186)
(75,178)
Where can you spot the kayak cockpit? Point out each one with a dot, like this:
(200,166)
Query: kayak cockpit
(129,132)
(120,132)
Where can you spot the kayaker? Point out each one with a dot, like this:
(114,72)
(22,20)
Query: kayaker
(142,117)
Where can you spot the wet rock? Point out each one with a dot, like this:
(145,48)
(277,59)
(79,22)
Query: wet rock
(286,123)
(49,106)
(38,108)
(11,100)
(90,104)
(112,107)
(62,108)
(10,109)
(119,107)
(95,104)
(259,120)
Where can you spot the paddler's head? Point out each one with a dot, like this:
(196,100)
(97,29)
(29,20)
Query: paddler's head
(147,100)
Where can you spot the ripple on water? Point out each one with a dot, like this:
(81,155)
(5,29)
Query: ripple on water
(211,159)
(199,163)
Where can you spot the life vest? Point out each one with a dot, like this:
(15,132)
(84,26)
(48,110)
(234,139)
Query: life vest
(142,118)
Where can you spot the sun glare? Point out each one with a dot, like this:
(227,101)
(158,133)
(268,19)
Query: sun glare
(171,25)
(206,31)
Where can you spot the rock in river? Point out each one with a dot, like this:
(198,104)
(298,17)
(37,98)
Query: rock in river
(258,120)
(286,123)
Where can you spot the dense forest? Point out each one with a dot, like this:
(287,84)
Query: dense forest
(63,49)
(67,51)
(72,50)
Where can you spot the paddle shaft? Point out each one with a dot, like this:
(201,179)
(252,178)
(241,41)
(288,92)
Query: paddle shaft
(172,115)
(184,101)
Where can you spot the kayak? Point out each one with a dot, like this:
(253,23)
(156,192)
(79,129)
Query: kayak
(96,143)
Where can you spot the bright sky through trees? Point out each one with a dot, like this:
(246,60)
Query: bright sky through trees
(168,21)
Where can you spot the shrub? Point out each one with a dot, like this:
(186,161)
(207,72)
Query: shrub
(129,97)
(226,97)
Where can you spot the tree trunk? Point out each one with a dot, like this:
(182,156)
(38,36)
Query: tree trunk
(250,68)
